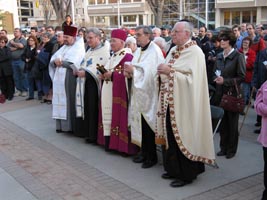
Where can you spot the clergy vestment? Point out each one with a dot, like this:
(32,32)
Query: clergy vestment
(88,92)
(144,99)
(64,84)
(113,132)
(183,117)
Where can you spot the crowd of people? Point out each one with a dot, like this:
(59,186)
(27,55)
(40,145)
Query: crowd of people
(133,92)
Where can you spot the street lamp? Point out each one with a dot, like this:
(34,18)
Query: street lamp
(72,12)
(119,15)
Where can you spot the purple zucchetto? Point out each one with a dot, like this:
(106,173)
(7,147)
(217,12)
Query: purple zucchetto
(119,34)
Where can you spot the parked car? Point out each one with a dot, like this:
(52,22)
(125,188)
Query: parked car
(217,30)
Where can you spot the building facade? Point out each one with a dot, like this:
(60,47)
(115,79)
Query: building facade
(119,13)
(230,12)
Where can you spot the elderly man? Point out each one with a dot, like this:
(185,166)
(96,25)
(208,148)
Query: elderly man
(183,117)
(62,67)
(17,46)
(88,86)
(114,99)
(131,43)
(144,98)
(156,32)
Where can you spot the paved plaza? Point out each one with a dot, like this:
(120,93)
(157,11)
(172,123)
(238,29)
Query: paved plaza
(38,163)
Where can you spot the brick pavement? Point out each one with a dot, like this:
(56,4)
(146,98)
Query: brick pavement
(50,173)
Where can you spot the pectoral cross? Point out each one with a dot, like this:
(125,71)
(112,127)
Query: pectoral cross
(119,69)
(115,130)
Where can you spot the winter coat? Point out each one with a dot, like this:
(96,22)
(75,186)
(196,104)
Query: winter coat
(5,62)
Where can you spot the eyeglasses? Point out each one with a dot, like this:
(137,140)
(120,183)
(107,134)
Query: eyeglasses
(139,34)
(224,38)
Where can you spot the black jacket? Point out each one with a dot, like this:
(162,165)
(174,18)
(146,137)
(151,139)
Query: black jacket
(5,62)
(31,55)
(232,67)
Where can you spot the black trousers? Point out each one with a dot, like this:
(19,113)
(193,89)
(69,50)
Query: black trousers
(264,195)
(176,164)
(229,132)
(148,149)
(7,86)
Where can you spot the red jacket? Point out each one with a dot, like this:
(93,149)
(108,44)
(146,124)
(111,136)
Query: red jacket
(250,59)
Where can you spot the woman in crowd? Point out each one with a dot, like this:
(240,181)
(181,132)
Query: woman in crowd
(250,57)
(6,73)
(261,109)
(43,58)
(28,57)
(230,67)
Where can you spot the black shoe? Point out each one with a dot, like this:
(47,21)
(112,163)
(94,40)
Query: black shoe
(166,176)
(139,159)
(257,131)
(29,98)
(179,183)
(257,124)
(59,131)
(90,141)
(221,153)
(148,164)
(10,98)
(230,155)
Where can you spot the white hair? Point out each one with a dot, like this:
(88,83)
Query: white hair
(130,40)
(160,42)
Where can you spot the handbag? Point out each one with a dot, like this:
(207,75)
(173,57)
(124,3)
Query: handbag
(232,103)
(2,98)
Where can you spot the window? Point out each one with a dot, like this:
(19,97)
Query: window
(91,2)
(227,18)
(129,18)
(125,1)
(236,17)
(101,1)
(246,17)
(100,19)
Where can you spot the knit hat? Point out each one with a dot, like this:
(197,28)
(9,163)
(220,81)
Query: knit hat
(70,30)
(119,34)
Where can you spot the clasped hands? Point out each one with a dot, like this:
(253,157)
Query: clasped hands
(219,80)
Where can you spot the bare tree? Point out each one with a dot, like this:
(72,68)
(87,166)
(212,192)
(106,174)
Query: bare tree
(62,8)
(157,8)
(47,8)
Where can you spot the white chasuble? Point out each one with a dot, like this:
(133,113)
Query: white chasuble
(92,58)
(144,96)
(185,92)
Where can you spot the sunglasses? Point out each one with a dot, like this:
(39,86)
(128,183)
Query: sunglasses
(224,38)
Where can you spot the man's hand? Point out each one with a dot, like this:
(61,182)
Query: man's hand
(80,73)
(107,75)
(219,80)
(58,62)
(164,69)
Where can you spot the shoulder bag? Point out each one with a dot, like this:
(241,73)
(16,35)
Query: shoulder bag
(233,103)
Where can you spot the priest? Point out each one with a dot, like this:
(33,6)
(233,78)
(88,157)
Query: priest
(114,132)
(183,117)
(62,67)
(88,86)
